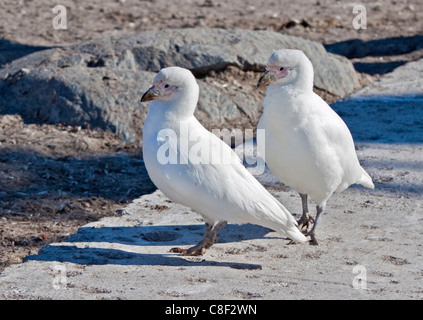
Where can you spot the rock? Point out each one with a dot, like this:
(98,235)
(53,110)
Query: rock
(10,51)
(406,82)
(356,48)
(99,83)
(203,50)
(387,110)
(64,86)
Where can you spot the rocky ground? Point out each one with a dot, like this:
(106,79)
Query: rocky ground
(325,21)
(56,178)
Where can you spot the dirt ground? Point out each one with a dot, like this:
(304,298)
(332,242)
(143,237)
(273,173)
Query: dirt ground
(325,21)
(55,179)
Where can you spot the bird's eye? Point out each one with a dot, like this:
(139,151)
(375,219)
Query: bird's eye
(166,86)
(282,68)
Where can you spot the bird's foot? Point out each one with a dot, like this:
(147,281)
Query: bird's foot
(293,242)
(313,240)
(210,238)
(199,249)
(305,221)
(193,251)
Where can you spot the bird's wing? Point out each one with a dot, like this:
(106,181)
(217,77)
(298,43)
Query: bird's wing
(223,189)
(339,138)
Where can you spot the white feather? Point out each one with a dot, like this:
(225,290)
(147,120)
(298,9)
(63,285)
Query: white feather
(217,191)
(307,146)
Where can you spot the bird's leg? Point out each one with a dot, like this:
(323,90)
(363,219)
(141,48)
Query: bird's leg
(319,210)
(306,218)
(219,226)
(200,248)
(210,238)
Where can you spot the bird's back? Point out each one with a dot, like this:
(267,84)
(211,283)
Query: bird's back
(308,146)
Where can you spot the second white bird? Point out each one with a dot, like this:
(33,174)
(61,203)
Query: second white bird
(308,146)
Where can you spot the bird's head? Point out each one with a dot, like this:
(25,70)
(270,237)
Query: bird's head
(286,66)
(171,84)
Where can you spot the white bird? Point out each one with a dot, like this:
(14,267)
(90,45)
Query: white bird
(307,145)
(187,163)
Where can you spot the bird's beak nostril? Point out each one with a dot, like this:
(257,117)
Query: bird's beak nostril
(150,94)
(265,80)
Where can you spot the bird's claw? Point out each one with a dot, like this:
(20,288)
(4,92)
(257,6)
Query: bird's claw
(189,252)
(305,221)
(291,242)
(313,240)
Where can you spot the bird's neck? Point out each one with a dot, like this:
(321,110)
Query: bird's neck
(301,82)
(179,109)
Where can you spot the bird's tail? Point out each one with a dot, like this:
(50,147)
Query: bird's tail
(295,234)
(366,180)
(272,214)
(290,230)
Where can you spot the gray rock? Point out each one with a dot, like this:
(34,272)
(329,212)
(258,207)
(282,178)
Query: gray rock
(357,48)
(64,86)
(204,50)
(387,110)
(99,83)
(405,81)
(10,51)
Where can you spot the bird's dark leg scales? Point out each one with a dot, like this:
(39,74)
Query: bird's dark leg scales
(306,219)
(313,240)
(210,238)
(311,234)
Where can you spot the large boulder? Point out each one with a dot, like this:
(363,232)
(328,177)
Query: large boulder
(202,50)
(99,83)
(62,86)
